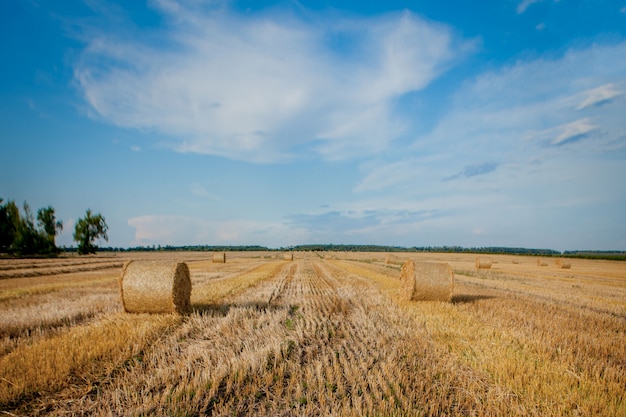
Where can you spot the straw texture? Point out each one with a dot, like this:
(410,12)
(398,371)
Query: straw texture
(288,256)
(425,281)
(155,287)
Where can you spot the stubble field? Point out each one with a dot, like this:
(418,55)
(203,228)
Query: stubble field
(324,335)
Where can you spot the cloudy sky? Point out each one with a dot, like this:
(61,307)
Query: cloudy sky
(411,123)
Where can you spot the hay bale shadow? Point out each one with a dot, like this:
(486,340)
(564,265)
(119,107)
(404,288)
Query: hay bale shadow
(211,309)
(222,309)
(466,298)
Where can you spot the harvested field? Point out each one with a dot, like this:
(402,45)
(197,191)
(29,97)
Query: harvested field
(314,336)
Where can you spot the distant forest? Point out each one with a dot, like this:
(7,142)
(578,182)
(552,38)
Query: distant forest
(588,254)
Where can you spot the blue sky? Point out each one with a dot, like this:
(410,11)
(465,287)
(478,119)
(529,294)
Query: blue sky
(411,123)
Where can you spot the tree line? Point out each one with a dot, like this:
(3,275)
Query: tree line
(438,249)
(23,234)
(189,248)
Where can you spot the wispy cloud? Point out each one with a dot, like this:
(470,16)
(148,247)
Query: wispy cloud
(151,229)
(390,174)
(355,222)
(256,87)
(192,230)
(201,191)
(564,134)
(525,4)
(335,221)
(574,131)
(536,124)
(474,170)
(598,96)
(560,95)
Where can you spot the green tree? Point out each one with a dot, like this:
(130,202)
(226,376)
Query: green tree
(28,240)
(87,230)
(9,224)
(49,226)
(19,235)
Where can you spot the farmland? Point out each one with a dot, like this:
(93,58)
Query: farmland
(325,334)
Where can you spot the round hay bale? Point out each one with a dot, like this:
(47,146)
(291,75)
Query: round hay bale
(483,263)
(219,257)
(391,259)
(288,256)
(407,271)
(155,287)
(541,263)
(562,263)
(425,281)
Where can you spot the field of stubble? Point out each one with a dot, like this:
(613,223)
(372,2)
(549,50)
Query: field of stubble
(320,336)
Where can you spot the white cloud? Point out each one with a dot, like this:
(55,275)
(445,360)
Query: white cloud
(257,87)
(151,229)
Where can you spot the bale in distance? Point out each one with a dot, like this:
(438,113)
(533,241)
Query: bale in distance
(219,257)
(288,256)
(425,281)
(541,263)
(562,263)
(483,263)
(391,259)
(155,287)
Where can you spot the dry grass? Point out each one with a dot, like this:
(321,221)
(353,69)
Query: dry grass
(562,366)
(37,307)
(218,291)
(336,338)
(54,285)
(28,319)
(54,267)
(48,365)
